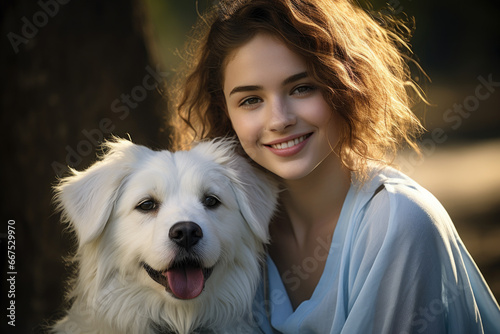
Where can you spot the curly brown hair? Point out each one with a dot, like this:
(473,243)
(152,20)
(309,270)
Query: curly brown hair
(361,65)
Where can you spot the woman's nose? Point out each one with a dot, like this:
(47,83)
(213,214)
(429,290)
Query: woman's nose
(281,116)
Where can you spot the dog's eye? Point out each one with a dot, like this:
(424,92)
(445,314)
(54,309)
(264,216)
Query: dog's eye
(147,205)
(211,202)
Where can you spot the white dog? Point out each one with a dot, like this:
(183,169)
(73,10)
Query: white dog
(167,242)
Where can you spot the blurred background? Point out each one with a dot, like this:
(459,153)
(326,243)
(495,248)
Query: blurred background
(75,72)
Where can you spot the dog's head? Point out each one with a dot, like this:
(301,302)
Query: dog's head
(173,217)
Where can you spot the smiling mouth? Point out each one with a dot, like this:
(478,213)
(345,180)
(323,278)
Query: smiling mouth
(290,143)
(184,279)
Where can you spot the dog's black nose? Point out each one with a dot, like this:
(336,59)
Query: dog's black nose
(185,234)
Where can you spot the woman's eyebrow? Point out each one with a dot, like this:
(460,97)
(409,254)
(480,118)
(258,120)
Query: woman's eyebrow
(238,89)
(251,88)
(294,78)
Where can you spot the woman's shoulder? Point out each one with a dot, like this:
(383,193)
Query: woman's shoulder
(401,224)
(400,207)
(404,196)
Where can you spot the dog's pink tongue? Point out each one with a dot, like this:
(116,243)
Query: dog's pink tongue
(185,282)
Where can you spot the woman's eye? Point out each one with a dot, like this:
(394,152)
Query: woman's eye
(211,202)
(147,205)
(303,89)
(250,101)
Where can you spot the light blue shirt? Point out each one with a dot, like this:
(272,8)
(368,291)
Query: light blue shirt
(395,265)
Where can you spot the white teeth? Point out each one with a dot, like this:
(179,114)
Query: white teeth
(289,143)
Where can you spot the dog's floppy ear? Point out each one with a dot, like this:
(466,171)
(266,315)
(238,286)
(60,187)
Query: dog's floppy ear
(255,191)
(86,198)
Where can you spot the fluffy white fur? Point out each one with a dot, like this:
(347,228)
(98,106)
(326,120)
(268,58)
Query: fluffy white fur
(112,292)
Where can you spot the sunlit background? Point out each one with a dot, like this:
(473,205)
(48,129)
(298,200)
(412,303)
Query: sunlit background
(67,78)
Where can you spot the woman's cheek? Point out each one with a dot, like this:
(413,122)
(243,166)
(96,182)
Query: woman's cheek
(248,131)
(249,144)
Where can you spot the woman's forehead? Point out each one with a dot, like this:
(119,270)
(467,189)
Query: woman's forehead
(260,59)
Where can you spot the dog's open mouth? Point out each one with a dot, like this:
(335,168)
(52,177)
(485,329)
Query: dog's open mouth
(185,279)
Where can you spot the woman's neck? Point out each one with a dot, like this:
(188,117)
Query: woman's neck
(313,203)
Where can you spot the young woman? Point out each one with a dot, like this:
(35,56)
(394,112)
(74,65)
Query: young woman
(319,94)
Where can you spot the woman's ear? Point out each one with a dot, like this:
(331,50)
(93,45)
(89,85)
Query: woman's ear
(86,199)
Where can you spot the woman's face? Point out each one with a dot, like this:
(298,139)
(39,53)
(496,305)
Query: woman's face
(277,109)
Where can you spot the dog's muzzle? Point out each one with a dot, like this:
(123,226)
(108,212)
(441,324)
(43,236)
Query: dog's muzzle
(185,277)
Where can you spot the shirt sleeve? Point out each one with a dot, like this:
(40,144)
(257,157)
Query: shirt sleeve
(409,271)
